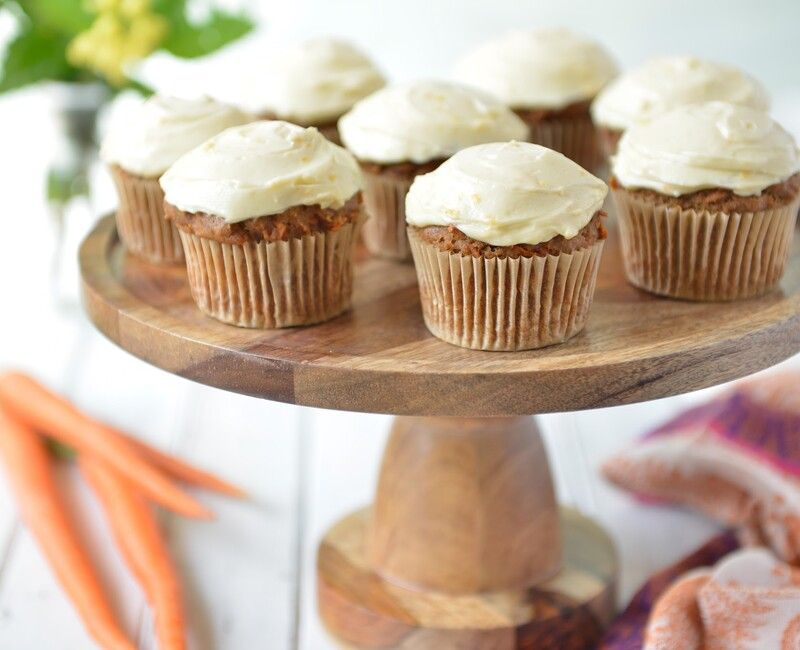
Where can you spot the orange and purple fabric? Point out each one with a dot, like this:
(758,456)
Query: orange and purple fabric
(737,460)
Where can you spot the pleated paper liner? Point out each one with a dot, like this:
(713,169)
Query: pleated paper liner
(608,140)
(574,137)
(140,219)
(710,256)
(269,285)
(505,304)
(384,233)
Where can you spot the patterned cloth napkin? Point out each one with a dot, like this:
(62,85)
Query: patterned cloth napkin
(628,631)
(736,459)
(748,601)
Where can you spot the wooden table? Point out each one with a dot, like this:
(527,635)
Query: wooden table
(465,543)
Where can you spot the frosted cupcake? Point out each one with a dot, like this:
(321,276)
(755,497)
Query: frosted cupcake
(549,77)
(662,84)
(139,148)
(311,84)
(268,214)
(518,230)
(410,129)
(707,196)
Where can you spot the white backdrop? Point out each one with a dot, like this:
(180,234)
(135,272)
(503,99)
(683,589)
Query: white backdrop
(422,38)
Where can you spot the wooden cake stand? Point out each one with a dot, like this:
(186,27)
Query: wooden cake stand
(464,546)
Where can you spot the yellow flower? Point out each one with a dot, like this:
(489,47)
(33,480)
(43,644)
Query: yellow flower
(134,7)
(124,31)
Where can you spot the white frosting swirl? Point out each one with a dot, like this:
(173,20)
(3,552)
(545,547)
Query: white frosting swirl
(311,83)
(545,68)
(703,146)
(425,120)
(507,193)
(153,137)
(260,169)
(665,83)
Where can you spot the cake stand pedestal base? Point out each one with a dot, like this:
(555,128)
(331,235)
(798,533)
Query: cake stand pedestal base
(465,548)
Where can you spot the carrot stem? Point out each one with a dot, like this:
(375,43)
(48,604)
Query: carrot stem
(29,471)
(138,536)
(34,405)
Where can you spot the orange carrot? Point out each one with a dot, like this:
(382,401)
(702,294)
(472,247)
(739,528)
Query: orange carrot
(181,470)
(34,405)
(29,473)
(139,538)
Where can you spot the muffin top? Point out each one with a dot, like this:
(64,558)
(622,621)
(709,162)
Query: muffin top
(425,120)
(259,169)
(703,146)
(146,142)
(544,68)
(507,193)
(312,83)
(665,83)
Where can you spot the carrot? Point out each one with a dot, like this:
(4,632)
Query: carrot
(180,470)
(29,472)
(42,410)
(137,534)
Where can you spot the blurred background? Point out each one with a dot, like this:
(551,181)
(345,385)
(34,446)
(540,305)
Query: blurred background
(250,575)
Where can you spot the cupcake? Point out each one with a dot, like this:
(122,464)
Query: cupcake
(549,77)
(311,84)
(268,214)
(707,196)
(410,129)
(507,239)
(662,84)
(139,148)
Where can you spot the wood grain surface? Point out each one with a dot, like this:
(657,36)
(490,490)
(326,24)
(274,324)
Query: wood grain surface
(380,358)
(465,505)
(567,612)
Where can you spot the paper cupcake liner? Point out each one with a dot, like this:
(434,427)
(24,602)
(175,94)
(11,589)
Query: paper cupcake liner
(272,284)
(575,137)
(505,304)
(384,233)
(703,255)
(608,140)
(140,219)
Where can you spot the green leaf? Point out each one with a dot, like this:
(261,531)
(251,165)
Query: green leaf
(139,87)
(66,17)
(60,450)
(188,41)
(65,183)
(34,56)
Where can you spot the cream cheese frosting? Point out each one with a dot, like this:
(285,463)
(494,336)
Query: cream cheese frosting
(665,83)
(312,83)
(260,169)
(148,140)
(545,68)
(507,193)
(425,120)
(702,146)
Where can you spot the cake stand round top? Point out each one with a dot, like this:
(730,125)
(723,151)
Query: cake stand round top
(379,357)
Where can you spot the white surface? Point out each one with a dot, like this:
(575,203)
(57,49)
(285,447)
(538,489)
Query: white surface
(250,575)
